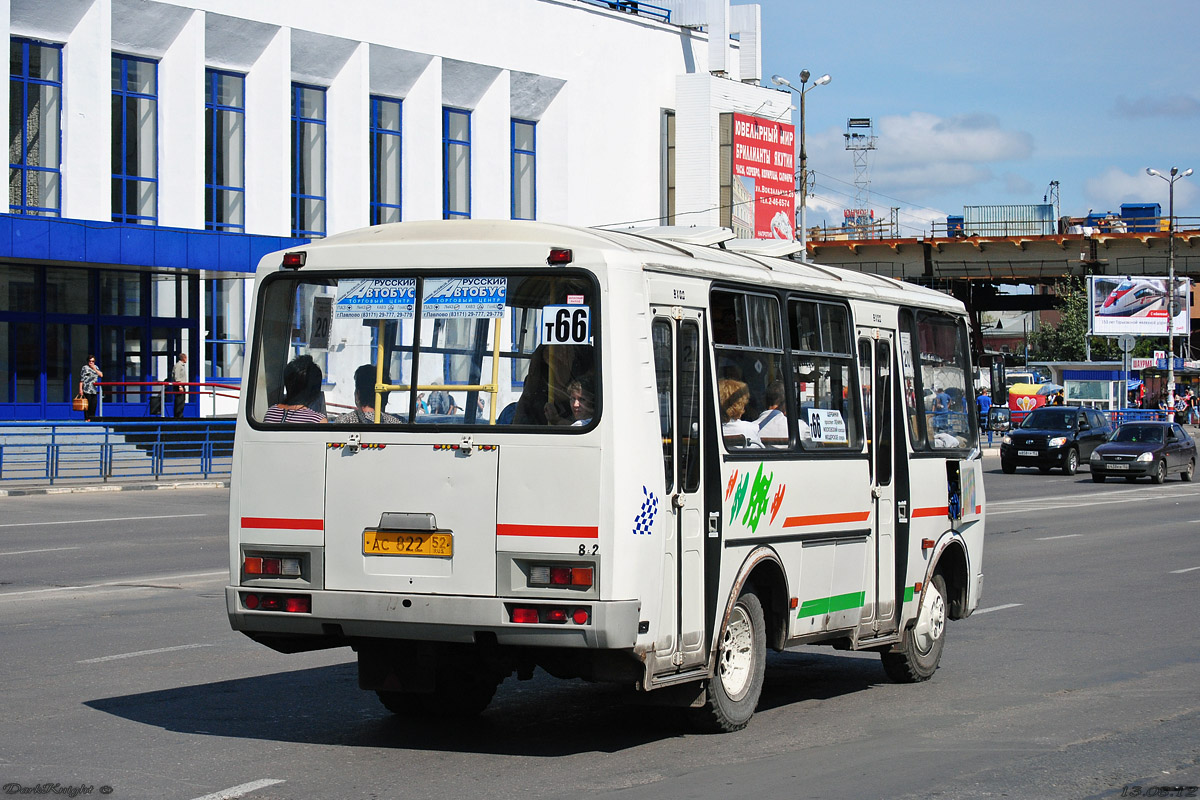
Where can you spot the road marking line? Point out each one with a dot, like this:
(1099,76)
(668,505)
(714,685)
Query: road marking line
(1181,571)
(141,653)
(997,608)
(44,550)
(112,519)
(234,792)
(1065,536)
(132,583)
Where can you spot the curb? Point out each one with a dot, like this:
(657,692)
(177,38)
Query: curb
(110,487)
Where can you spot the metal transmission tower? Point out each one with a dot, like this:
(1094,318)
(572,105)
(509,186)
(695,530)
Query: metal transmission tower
(860,140)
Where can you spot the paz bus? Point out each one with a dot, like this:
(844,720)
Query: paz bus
(470,449)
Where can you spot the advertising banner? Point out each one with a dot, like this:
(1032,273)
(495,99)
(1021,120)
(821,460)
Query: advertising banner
(764,167)
(1137,306)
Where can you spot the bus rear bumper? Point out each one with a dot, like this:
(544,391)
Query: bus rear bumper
(610,624)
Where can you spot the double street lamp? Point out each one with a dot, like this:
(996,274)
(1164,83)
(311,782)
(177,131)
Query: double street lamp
(779,80)
(1171,307)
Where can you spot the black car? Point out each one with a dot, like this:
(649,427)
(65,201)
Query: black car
(1145,448)
(1054,436)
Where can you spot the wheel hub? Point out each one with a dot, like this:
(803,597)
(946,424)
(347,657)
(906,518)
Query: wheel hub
(736,656)
(931,621)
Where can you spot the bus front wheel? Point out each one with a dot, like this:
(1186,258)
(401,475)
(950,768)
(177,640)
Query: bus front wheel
(916,658)
(736,684)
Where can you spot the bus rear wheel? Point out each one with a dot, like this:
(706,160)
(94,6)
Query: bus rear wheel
(736,684)
(458,693)
(916,658)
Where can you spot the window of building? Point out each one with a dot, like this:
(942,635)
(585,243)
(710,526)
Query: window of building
(385,160)
(524,169)
(225,323)
(668,168)
(35,128)
(134,140)
(225,151)
(308,160)
(456,163)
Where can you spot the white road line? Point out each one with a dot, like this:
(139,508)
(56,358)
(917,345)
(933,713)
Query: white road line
(997,608)
(234,792)
(1181,571)
(141,653)
(43,550)
(125,582)
(1064,536)
(111,519)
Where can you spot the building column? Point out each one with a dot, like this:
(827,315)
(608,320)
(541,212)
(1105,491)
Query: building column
(181,129)
(491,152)
(269,139)
(421,182)
(87,116)
(348,146)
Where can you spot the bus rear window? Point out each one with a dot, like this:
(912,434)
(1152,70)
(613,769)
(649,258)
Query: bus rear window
(428,350)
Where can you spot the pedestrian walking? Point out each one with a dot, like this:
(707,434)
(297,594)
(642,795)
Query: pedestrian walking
(179,374)
(985,406)
(88,388)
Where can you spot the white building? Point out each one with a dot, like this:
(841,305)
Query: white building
(162,147)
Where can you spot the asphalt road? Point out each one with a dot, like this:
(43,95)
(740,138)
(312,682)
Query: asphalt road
(1079,677)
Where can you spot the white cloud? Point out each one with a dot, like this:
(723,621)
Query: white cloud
(1107,191)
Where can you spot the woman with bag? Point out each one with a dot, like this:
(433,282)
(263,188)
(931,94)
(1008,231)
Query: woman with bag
(88,389)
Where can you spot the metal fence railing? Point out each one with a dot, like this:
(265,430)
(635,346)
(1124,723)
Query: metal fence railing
(52,452)
(635,7)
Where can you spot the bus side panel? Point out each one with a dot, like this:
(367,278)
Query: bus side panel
(281,492)
(928,520)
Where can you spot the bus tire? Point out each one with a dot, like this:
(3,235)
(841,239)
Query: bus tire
(458,693)
(736,684)
(917,657)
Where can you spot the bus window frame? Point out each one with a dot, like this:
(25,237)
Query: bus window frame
(909,324)
(420,274)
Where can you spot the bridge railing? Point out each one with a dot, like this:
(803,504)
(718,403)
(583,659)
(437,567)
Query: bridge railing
(634,7)
(53,452)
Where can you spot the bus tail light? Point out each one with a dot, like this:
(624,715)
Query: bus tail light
(525,616)
(558,615)
(290,603)
(556,575)
(271,565)
(553,615)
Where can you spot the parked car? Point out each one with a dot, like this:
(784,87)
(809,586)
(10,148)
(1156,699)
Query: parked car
(1054,436)
(1155,449)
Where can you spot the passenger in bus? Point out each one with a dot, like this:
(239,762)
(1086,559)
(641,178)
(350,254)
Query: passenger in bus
(570,362)
(364,400)
(733,398)
(581,399)
(301,393)
(772,423)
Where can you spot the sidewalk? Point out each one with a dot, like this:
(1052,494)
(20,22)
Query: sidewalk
(19,488)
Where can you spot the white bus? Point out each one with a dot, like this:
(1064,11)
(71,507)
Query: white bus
(469,449)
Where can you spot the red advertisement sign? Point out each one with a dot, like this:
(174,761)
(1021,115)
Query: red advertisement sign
(764,186)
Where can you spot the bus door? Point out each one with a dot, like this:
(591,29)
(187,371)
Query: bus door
(875,351)
(678,341)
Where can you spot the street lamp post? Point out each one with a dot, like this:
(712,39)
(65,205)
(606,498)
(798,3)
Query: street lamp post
(779,80)
(1174,176)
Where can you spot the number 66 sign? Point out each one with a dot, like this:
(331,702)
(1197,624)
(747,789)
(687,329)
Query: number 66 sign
(566,325)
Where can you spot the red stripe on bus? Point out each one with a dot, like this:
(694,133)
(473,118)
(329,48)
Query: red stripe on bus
(826,519)
(936,511)
(555,531)
(285,524)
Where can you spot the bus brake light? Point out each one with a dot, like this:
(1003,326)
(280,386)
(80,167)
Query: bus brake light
(528,616)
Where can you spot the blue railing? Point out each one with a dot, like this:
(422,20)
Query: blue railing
(52,452)
(632,7)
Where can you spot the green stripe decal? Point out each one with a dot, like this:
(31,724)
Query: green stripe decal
(908,594)
(829,605)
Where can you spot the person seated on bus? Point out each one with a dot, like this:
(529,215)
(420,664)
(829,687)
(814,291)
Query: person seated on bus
(581,400)
(734,395)
(442,402)
(301,393)
(772,423)
(364,399)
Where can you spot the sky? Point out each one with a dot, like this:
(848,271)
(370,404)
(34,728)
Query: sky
(987,103)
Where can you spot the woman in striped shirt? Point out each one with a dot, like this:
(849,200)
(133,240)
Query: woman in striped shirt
(302,390)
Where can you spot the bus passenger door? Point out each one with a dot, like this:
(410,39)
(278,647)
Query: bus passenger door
(875,361)
(678,353)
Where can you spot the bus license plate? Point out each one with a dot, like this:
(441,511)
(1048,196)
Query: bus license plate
(1027,452)
(407,543)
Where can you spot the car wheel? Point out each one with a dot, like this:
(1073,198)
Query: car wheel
(1098,477)
(1071,464)
(1008,467)
(916,658)
(1188,471)
(1160,472)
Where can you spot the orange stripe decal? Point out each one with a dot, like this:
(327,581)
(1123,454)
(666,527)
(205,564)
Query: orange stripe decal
(553,531)
(826,519)
(284,524)
(936,511)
